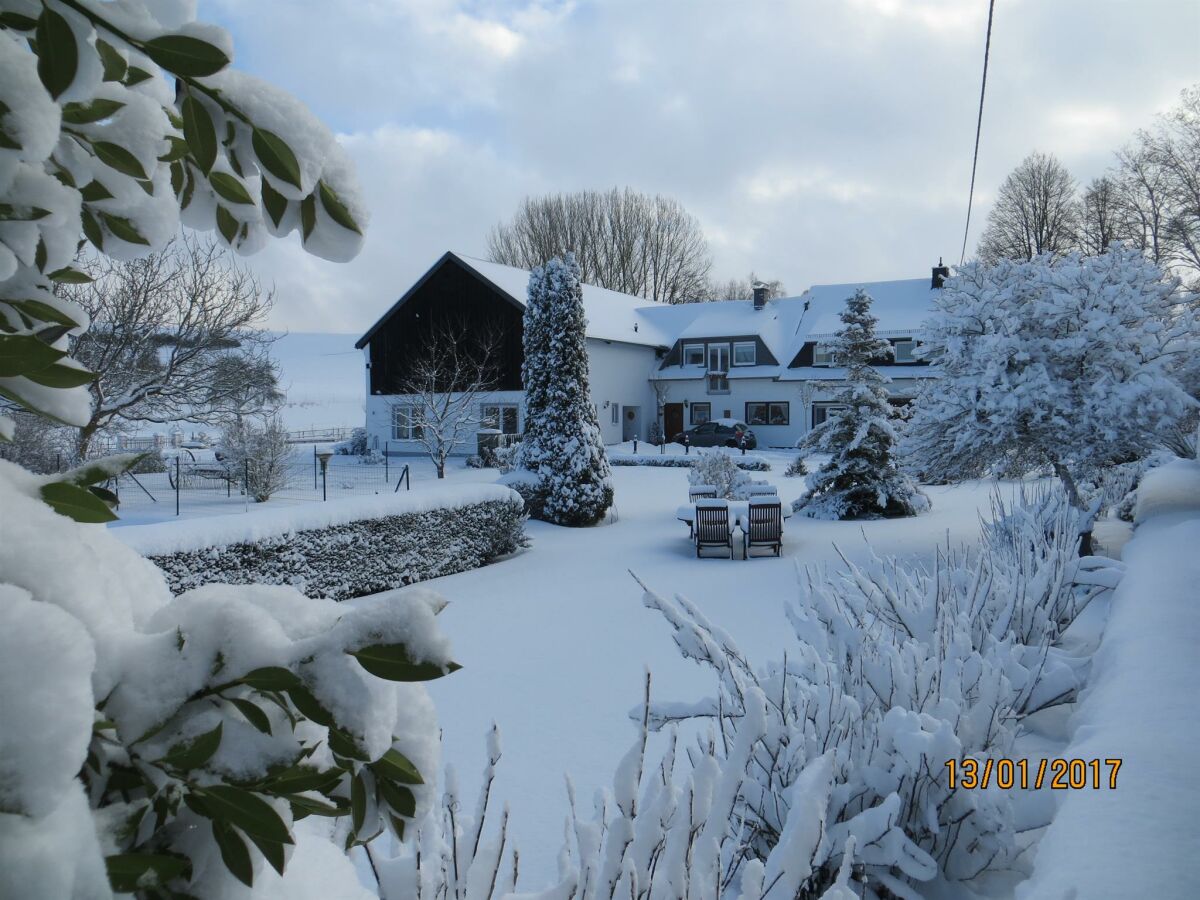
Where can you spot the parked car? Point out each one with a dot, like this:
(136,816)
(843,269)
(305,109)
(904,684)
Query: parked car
(718,433)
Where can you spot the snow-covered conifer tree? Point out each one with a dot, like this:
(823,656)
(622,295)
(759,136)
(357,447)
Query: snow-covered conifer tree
(562,446)
(1066,363)
(861,479)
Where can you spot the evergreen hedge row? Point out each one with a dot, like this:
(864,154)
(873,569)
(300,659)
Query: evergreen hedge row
(749,463)
(362,557)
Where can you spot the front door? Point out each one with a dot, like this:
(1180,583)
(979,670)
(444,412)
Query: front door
(672,420)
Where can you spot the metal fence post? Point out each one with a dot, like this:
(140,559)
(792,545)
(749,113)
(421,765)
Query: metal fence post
(386,477)
(314,467)
(177,484)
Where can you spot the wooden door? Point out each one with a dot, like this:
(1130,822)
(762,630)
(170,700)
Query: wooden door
(672,420)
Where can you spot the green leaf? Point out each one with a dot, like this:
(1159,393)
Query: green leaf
(296,779)
(273,202)
(17,22)
(396,766)
(308,215)
(194,753)
(392,662)
(136,76)
(234,852)
(147,186)
(68,275)
(76,503)
(228,187)
(177,177)
(397,826)
(94,191)
(111,500)
(113,62)
(308,705)
(12,213)
(119,158)
(276,156)
(226,224)
(398,797)
(271,678)
(39,255)
(272,851)
(344,745)
(94,473)
(92,229)
(336,209)
(44,312)
(58,375)
(97,110)
(127,871)
(57,52)
(179,149)
(185,55)
(199,133)
(8,143)
(21,354)
(317,808)
(358,801)
(253,713)
(244,809)
(123,229)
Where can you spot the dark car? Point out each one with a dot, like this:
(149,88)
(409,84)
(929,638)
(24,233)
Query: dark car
(719,433)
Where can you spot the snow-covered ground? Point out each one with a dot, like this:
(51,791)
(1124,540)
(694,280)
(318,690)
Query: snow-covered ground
(324,379)
(555,641)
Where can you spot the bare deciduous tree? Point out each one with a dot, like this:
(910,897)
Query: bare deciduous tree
(623,240)
(1036,211)
(743,289)
(259,454)
(447,382)
(174,336)
(1100,214)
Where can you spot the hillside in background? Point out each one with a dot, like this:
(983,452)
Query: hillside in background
(322,375)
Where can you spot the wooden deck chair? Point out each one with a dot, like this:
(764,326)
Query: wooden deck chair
(712,526)
(701,492)
(764,528)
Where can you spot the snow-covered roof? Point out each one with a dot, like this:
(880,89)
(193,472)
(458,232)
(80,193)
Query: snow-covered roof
(898,305)
(611,315)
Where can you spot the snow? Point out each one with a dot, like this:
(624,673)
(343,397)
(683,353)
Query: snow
(899,305)
(219,531)
(1139,840)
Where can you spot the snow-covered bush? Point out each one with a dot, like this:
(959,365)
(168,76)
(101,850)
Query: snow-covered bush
(167,745)
(719,469)
(830,764)
(656,436)
(561,446)
(1062,362)
(505,458)
(749,463)
(257,455)
(37,444)
(796,467)
(356,446)
(381,547)
(861,480)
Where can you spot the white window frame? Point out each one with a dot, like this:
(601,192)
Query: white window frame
(715,353)
(616,413)
(696,347)
(408,429)
(742,345)
(498,421)
(826,408)
(823,355)
(908,357)
(707,407)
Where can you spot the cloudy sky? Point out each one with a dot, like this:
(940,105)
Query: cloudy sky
(816,140)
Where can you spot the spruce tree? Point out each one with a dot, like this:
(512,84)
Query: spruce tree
(562,448)
(861,479)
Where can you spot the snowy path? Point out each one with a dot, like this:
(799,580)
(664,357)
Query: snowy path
(1142,839)
(554,641)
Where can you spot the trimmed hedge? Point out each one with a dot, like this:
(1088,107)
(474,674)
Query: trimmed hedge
(361,557)
(749,463)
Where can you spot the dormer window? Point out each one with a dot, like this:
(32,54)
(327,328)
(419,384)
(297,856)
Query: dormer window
(693,354)
(823,355)
(904,351)
(745,353)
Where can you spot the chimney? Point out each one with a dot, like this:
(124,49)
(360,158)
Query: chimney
(760,295)
(940,274)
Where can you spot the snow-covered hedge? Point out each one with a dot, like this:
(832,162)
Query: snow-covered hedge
(343,548)
(749,463)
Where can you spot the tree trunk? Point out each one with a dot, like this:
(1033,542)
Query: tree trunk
(1085,534)
(441,468)
(84,442)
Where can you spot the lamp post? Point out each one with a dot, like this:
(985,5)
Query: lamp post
(323,455)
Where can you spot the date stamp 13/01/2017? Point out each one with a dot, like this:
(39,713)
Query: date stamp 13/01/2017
(1056,774)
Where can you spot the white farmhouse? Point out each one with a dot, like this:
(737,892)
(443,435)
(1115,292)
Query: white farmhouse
(762,362)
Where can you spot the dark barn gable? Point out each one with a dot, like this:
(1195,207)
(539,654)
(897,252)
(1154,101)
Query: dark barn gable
(448,295)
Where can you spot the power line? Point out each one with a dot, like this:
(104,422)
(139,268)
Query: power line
(987,46)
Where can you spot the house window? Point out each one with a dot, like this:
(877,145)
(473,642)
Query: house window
(503,416)
(823,355)
(701,413)
(745,353)
(718,357)
(616,413)
(904,351)
(822,411)
(405,426)
(768,413)
(693,354)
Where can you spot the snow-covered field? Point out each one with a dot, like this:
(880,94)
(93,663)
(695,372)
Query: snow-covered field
(555,641)
(324,379)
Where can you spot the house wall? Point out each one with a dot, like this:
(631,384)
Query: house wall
(379,422)
(620,374)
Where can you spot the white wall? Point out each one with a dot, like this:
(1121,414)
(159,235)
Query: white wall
(620,374)
(379,422)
